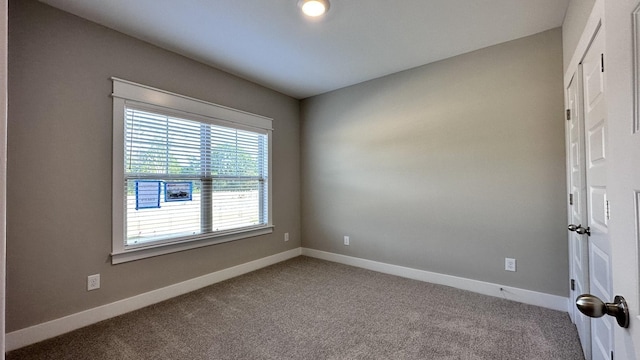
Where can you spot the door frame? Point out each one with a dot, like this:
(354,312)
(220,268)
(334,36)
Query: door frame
(573,73)
(594,24)
(576,113)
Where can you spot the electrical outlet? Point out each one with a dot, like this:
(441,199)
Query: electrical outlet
(509,264)
(346,241)
(286,236)
(93,282)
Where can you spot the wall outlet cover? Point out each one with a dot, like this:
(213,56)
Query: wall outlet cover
(509,264)
(93,282)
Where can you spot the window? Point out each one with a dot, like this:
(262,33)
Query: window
(187,173)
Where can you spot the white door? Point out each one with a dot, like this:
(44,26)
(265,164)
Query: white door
(612,151)
(590,248)
(624,172)
(578,243)
(595,119)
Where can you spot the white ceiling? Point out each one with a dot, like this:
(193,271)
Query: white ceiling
(271,43)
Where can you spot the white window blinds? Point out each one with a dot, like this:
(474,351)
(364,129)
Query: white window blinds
(210,178)
(187,173)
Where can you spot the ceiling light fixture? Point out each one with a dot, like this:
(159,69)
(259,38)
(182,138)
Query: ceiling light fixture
(314,8)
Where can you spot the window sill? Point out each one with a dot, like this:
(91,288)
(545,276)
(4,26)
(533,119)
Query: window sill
(162,249)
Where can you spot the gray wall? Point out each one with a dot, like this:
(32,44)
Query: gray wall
(449,167)
(574,22)
(59,171)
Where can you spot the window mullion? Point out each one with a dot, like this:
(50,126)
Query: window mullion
(166,162)
(207,183)
(261,169)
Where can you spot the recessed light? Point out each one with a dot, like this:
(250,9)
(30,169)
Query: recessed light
(314,8)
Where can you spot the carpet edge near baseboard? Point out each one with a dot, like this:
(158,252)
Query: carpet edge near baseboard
(36,333)
(40,332)
(553,302)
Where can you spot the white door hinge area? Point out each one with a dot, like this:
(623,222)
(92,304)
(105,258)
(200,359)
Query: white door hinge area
(607,210)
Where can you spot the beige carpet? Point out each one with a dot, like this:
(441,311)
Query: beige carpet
(306,308)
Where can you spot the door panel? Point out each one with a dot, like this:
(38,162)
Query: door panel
(594,83)
(600,265)
(602,340)
(596,144)
(598,198)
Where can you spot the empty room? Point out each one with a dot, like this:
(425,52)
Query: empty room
(320,179)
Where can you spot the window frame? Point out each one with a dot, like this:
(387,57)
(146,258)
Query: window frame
(127,92)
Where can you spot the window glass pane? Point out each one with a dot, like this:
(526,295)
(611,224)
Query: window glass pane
(172,219)
(235,152)
(158,144)
(235,203)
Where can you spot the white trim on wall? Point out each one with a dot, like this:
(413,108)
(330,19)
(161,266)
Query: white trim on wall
(47,330)
(553,302)
(590,29)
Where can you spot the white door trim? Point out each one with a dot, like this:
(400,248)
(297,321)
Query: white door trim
(577,207)
(591,28)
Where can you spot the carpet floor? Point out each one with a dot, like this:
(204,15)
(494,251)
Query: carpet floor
(306,308)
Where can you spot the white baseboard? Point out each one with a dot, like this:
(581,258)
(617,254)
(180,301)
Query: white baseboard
(33,334)
(520,295)
(49,329)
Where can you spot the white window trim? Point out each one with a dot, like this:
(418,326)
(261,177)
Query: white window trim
(126,91)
